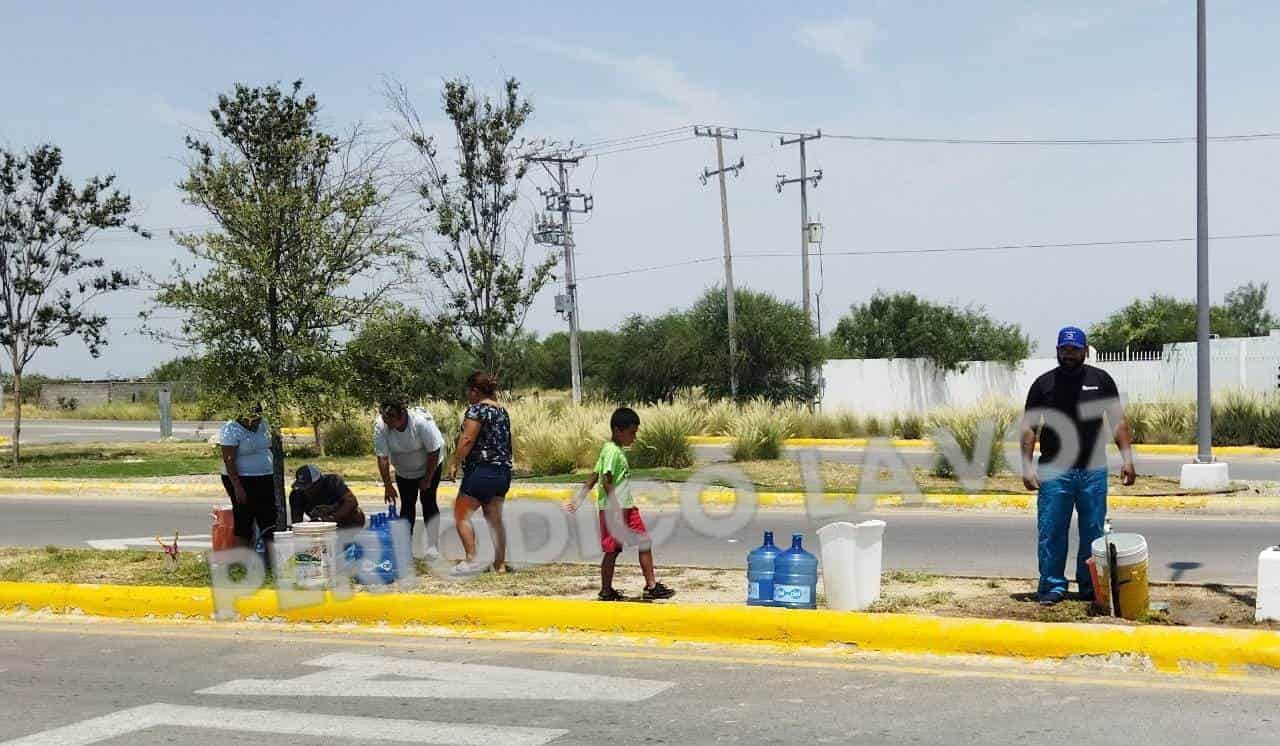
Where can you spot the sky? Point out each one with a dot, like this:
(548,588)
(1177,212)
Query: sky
(118,86)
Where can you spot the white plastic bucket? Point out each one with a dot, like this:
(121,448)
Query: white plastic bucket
(852,556)
(315,553)
(282,559)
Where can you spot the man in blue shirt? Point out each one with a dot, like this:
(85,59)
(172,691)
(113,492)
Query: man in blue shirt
(1065,410)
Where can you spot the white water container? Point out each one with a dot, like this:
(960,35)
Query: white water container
(315,545)
(869,559)
(1268,608)
(851,560)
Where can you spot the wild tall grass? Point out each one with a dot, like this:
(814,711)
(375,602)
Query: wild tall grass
(969,427)
(759,429)
(664,437)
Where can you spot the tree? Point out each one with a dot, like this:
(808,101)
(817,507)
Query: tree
(487,287)
(902,325)
(1245,311)
(401,351)
(301,224)
(654,358)
(46,282)
(775,344)
(1151,323)
(598,347)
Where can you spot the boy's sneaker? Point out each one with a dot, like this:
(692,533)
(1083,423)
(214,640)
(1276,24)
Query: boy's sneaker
(657,592)
(611,595)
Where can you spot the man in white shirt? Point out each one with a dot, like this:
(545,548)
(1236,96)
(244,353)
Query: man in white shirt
(408,440)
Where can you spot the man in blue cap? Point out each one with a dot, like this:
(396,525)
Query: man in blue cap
(1065,410)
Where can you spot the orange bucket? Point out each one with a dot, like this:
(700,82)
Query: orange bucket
(224,528)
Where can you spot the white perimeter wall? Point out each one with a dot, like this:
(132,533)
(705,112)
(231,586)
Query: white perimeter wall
(891,386)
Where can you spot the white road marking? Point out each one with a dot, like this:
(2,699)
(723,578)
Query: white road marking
(281,722)
(355,675)
(189,541)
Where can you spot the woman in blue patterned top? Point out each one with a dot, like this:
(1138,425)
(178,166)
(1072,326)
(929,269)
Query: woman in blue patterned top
(484,451)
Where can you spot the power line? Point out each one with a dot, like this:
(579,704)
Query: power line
(644,146)
(668,137)
(630,138)
(951,250)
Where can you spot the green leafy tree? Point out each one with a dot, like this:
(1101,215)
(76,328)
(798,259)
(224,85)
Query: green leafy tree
(654,359)
(401,351)
(488,286)
(303,242)
(1151,323)
(775,344)
(598,347)
(46,282)
(1246,313)
(901,325)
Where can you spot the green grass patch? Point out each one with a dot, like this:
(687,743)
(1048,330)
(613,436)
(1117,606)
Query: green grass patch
(131,567)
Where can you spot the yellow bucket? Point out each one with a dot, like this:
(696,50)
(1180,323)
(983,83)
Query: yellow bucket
(1131,573)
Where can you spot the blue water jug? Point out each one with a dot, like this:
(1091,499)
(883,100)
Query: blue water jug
(383,564)
(760,572)
(795,577)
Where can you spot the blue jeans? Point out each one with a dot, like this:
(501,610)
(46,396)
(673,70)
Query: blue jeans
(1061,492)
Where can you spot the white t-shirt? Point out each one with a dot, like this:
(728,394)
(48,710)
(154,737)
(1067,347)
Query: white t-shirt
(407,449)
(253,448)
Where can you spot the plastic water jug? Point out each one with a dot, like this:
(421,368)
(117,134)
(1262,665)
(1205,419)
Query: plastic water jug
(760,572)
(795,577)
(382,566)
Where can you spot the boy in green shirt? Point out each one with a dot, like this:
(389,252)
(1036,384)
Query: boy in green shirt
(613,475)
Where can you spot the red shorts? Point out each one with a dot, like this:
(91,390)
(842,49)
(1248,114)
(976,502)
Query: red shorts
(631,518)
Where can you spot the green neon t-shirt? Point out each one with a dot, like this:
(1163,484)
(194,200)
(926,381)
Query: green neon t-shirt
(613,460)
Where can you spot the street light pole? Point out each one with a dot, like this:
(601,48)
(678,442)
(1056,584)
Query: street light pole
(1205,473)
(1204,410)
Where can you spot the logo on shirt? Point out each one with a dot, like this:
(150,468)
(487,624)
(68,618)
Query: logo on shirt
(1089,388)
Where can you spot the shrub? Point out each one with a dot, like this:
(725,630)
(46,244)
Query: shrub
(1139,416)
(850,425)
(965,425)
(911,426)
(873,427)
(1268,433)
(664,437)
(1235,419)
(1173,422)
(348,438)
(758,431)
(717,417)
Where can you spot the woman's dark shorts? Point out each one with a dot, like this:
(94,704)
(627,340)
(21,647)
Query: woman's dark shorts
(486,482)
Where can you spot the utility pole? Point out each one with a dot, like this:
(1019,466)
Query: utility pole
(560,233)
(729,297)
(1204,434)
(1205,473)
(804,180)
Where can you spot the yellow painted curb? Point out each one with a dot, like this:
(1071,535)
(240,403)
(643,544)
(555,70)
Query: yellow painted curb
(1168,648)
(1148,448)
(299,431)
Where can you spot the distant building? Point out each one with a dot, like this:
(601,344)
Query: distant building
(81,394)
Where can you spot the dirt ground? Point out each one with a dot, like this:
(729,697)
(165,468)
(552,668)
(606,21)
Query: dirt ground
(901,592)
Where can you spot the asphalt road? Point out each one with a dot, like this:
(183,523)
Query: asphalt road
(104,431)
(1242,467)
(69,683)
(109,431)
(1183,547)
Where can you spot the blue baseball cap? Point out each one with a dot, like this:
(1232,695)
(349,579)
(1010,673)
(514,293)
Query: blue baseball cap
(1071,336)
